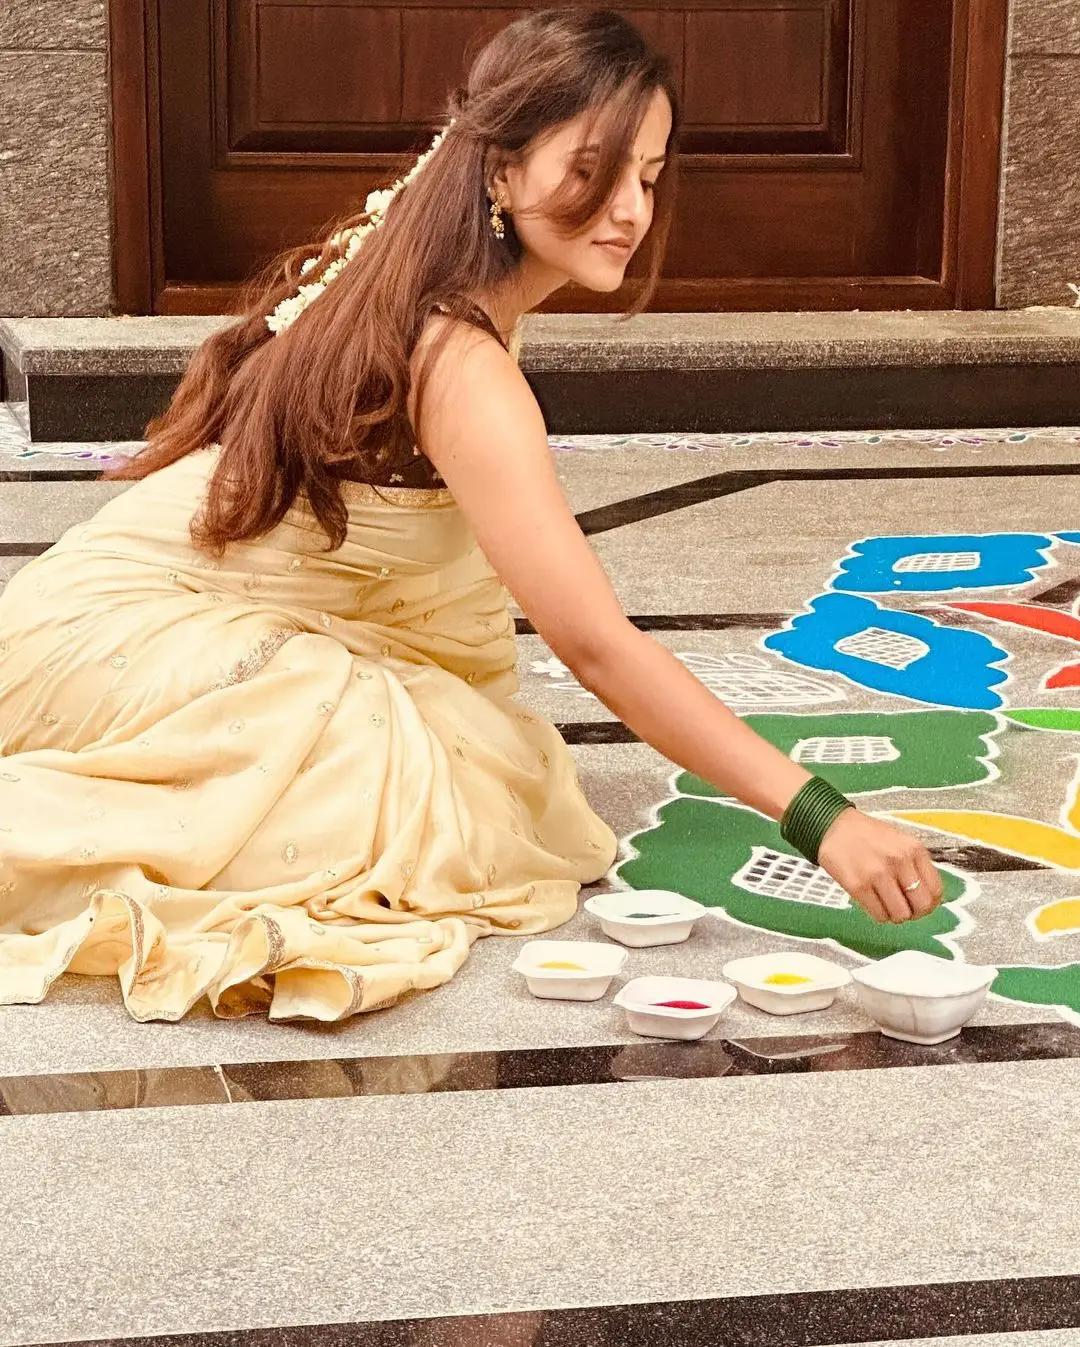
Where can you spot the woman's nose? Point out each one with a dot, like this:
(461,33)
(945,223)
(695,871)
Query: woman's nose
(630,204)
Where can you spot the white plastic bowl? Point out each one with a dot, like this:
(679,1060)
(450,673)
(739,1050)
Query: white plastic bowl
(673,922)
(639,997)
(599,964)
(818,992)
(920,998)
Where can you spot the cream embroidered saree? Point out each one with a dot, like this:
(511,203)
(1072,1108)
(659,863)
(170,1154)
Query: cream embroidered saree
(292,780)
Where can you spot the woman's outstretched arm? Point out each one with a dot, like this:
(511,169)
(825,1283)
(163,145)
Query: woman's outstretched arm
(482,428)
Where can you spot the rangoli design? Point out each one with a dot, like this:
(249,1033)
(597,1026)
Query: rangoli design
(1047,620)
(929,564)
(889,650)
(741,681)
(950,721)
(864,751)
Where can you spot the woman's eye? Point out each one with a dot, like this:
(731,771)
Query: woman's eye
(649,186)
(583,173)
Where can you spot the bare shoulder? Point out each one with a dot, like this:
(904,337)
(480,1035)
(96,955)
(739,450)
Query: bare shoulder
(482,428)
(461,336)
(470,383)
(449,348)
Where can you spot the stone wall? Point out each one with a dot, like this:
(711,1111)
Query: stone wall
(55,250)
(1039,244)
(55,246)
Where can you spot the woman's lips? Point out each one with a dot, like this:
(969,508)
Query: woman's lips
(616,249)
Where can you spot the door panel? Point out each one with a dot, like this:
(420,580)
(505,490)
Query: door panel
(825,141)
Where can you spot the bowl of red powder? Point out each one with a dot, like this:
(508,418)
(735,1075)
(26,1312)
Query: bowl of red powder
(672,1007)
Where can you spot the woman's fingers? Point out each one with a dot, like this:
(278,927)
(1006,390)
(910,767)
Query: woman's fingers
(892,898)
(871,905)
(889,875)
(920,882)
(914,887)
(930,876)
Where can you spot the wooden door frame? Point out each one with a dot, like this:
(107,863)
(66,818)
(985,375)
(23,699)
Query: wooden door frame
(973,160)
(136,157)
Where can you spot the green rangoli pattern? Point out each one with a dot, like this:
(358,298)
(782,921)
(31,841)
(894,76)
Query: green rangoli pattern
(932,748)
(698,846)
(729,857)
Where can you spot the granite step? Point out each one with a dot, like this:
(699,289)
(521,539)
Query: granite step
(104,378)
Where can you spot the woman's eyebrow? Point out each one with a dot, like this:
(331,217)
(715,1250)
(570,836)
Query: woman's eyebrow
(594,149)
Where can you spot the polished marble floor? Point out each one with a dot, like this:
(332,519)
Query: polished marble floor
(478,1167)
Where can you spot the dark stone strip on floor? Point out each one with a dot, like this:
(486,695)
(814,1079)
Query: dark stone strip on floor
(982,860)
(49,474)
(523,1068)
(636,509)
(23,549)
(597,732)
(1061,595)
(688,622)
(797,1319)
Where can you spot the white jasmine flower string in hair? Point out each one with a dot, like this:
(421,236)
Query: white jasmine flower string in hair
(350,240)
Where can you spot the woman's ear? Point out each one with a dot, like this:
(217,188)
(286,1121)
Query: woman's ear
(498,186)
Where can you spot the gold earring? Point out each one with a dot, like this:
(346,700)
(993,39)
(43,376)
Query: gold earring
(497,226)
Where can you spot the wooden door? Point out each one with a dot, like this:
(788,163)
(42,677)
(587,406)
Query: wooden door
(837,153)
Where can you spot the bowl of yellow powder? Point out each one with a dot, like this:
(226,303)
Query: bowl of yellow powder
(787,983)
(569,970)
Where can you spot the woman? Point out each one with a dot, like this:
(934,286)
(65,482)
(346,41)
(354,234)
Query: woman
(256,717)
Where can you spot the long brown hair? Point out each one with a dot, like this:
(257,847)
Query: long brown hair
(333,386)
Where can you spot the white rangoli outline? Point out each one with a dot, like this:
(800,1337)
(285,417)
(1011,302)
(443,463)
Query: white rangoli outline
(743,682)
(846,749)
(877,645)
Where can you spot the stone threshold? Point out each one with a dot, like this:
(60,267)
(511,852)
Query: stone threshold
(104,378)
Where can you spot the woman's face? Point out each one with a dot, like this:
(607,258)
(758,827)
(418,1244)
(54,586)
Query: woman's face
(597,257)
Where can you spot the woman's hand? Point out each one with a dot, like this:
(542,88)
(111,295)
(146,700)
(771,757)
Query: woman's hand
(887,872)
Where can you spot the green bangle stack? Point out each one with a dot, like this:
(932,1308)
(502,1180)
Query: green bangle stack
(811,813)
